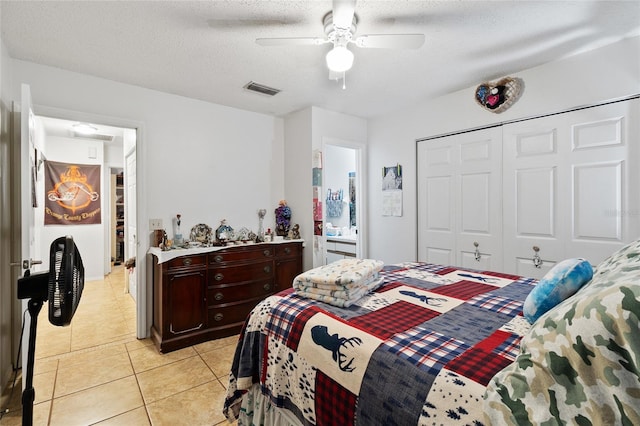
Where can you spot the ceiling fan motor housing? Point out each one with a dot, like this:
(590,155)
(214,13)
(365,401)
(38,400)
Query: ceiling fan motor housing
(339,36)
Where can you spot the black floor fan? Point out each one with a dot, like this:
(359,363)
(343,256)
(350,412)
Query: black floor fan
(62,286)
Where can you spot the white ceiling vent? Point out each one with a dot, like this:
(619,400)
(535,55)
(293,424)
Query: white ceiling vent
(260,88)
(95,136)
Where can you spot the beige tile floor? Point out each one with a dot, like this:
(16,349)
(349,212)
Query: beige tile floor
(95,371)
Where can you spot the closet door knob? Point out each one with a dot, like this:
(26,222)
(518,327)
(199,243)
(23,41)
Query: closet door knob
(477,252)
(537,261)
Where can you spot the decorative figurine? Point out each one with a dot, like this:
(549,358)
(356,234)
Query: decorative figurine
(165,244)
(224,232)
(260,236)
(294,234)
(283,218)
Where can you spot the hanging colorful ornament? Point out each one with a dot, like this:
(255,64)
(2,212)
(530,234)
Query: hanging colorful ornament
(499,96)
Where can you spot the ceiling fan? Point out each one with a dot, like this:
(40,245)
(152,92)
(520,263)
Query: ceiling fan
(340,25)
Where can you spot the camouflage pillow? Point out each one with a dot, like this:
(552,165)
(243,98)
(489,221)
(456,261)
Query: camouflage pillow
(580,362)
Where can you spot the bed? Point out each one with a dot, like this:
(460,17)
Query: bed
(437,344)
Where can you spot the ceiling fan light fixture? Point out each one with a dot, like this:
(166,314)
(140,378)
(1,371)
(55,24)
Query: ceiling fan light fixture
(339,59)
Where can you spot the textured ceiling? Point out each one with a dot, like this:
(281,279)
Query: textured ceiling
(206,49)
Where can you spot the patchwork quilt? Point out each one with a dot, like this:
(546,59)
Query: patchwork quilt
(420,349)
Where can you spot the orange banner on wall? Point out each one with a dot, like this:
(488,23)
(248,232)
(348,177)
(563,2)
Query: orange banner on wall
(72,194)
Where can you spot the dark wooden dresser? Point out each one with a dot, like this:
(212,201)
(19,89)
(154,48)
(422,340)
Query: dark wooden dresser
(207,295)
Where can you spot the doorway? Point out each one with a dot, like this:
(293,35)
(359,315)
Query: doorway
(107,245)
(343,197)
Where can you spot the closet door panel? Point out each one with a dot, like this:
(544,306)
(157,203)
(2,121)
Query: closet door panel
(596,217)
(468,168)
(479,218)
(533,234)
(589,196)
(439,220)
(605,164)
(436,210)
(535,194)
(475,224)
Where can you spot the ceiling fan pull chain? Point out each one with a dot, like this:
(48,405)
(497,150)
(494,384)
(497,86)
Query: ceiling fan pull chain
(344,80)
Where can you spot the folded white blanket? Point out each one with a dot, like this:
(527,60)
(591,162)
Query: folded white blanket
(341,273)
(340,292)
(334,287)
(354,295)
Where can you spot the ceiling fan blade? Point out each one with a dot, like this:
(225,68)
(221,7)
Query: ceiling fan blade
(291,41)
(343,11)
(390,41)
(251,22)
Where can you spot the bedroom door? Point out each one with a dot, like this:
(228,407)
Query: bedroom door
(131,232)
(25,241)
(460,200)
(570,185)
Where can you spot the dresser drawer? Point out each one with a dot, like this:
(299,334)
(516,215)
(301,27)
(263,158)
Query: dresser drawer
(235,292)
(187,262)
(283,250)
(228,314)
(242,254)
(238,274)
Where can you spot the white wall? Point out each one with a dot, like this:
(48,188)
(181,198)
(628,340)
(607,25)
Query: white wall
(606,73)
(297,177)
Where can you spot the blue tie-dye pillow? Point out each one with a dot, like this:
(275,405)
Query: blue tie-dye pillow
(561,282)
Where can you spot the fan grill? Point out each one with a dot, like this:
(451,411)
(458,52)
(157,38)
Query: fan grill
(66,282)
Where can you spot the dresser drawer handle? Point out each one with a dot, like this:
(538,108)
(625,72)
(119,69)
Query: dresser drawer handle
(287,250)
(187,261)
(267,252)
(218,258)
(218,317)
(267,287)
(218,276)
(218,296)
(267,269)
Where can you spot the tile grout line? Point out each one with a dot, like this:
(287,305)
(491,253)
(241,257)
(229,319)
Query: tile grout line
(135,376)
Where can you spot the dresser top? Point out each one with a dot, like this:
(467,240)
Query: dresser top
(166,255)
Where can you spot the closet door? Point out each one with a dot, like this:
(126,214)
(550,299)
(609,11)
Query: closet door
(460,200)
(570,187)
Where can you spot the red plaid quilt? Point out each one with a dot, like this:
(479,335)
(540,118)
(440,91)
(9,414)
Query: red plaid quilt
(418,350)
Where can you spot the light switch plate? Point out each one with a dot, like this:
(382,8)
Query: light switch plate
(155,224)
